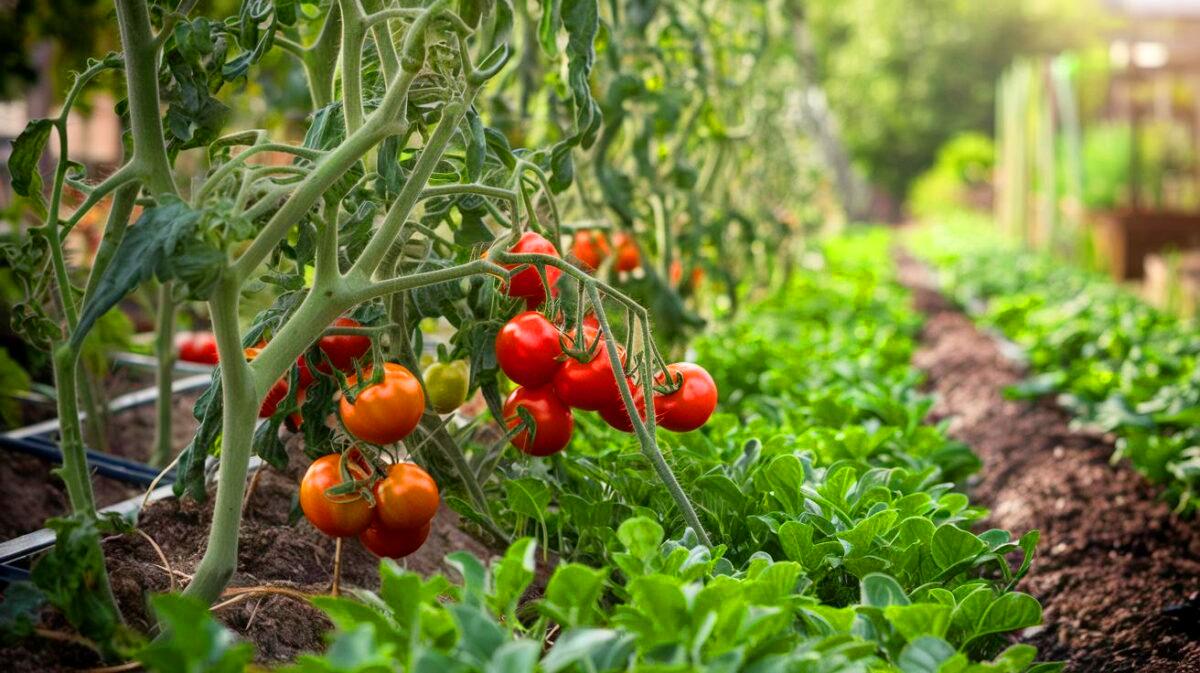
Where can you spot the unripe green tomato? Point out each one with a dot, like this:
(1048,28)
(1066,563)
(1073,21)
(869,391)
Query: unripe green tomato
(446,385)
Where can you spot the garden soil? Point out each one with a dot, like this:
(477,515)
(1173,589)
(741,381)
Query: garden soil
(33,494)
(1117,573)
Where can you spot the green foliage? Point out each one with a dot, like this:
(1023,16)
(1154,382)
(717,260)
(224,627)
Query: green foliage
(673,606)
(818,461)
(964,163)
(1116,363)
(193,641)
(13,379)
(72,578)
(149,249)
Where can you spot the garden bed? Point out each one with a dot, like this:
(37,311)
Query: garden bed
(274,551)
(36,494)
(1118,574)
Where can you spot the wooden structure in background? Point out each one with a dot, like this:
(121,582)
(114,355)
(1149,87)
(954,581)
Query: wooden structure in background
(1153,83)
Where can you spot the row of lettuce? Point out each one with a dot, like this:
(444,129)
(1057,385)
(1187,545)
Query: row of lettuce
(844,544)
(1116,363)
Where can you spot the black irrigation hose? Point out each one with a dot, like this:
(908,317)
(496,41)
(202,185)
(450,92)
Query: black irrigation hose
(106,465)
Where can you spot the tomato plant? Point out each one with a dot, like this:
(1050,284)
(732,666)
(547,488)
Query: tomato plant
(386,411)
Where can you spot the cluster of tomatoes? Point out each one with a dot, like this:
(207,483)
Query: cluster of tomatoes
(393,522)
(592,248)
(343,495)
(559,371)
(388,508)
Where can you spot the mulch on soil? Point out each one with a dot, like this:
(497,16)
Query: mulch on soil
(272,551)
(1117,573)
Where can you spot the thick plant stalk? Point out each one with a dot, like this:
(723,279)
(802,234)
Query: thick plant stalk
(238,416)
(164,347)
(74,470)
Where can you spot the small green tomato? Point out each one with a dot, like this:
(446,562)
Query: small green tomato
(446,385)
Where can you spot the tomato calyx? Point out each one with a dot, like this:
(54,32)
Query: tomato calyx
(359,476)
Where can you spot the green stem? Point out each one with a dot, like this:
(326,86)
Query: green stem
(645,430)
(96,422)
(141,75)
(352,44)
(382,32)
(431,155)
(164,349)
(320,59)
(239,413)
(74,470)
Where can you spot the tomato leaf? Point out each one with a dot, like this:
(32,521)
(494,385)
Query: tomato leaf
(27,150)
(193,641)
(66,576)
(148,247)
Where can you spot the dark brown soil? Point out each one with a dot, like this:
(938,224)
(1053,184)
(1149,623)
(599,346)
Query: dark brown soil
(271,552)
(1117,573)
(32,494)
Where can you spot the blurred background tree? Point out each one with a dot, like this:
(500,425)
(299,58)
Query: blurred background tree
(905,77)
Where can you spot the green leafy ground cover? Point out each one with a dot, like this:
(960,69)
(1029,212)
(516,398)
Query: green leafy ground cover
(843,540)
(1116,363)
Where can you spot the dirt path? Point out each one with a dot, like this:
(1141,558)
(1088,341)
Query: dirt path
(1118,575)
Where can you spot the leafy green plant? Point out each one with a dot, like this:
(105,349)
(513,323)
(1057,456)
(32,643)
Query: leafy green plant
(669,606)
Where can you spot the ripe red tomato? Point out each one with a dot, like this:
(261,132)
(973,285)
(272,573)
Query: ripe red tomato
(615,414)
(275,395)
(406,498)
(199,347)
(554,422)
(394,542)
(306,376)
(343,349)
(528,284)
(590,385)
(591,248)
(344,516)
(690,406)
(387,411)
(628,257)
(528,349)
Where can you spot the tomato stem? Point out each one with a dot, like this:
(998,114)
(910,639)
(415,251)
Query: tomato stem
(164,350)
(645,429)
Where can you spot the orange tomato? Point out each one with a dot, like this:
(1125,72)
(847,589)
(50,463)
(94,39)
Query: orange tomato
(406,498)
(387,411)
(344,516)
